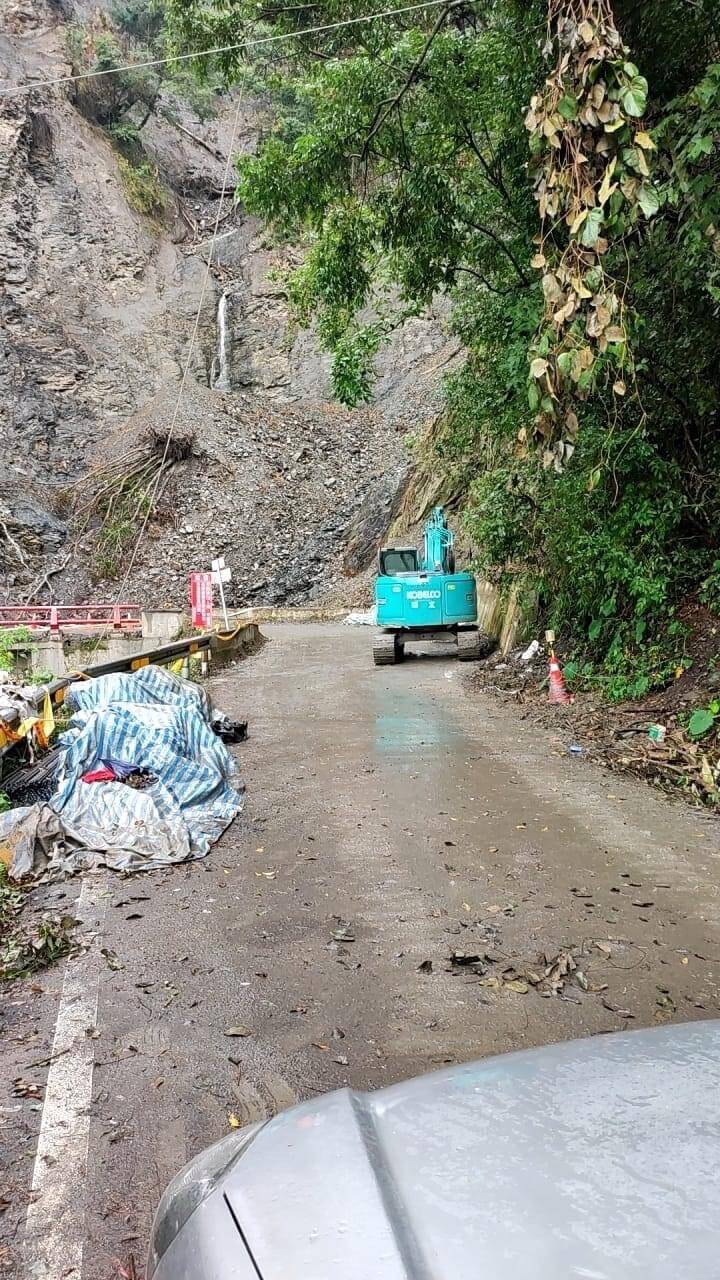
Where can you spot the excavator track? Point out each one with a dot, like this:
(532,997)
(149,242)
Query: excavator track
(472,645)
(385,650)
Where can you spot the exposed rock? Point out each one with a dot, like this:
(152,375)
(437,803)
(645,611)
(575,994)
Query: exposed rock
(99,305)
(373,518)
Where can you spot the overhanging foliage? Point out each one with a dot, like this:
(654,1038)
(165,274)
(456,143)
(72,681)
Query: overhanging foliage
(396,152)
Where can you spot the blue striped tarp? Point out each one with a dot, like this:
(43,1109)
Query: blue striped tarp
(155,721)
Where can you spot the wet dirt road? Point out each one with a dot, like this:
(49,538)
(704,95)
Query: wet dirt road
(391,819)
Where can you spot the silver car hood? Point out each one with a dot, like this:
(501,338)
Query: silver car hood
(597,1159)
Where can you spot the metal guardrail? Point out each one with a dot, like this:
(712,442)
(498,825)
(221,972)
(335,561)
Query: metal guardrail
(221,643)
(121,617)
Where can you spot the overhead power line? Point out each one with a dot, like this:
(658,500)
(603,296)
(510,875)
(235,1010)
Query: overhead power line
(54,81)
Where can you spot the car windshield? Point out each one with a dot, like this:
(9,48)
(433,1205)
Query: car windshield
(399,560)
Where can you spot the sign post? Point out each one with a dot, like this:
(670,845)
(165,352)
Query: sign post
(201,600)
(220,575)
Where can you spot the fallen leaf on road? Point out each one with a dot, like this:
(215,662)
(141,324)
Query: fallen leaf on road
(344,932)
(125,1271)
(462,959)
(322,1047)
(233,1121)
(613,1008)
(644,904)
(341,1060)
(557,971)
(267,875)
(238,1031)
(517,984)
(26,1088)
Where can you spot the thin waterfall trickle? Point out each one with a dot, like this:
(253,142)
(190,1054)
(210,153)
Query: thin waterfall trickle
(220,378)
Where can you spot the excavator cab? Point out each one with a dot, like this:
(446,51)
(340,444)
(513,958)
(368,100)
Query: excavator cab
(394,560)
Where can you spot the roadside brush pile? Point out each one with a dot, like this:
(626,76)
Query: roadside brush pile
(125,487)
(670,737)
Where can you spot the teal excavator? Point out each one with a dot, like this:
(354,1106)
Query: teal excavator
(420,596)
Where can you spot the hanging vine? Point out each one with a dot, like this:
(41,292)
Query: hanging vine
(593,184)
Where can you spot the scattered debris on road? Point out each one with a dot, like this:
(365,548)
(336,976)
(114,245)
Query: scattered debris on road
(26,948)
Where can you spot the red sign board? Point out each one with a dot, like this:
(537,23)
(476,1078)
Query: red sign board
(201,600)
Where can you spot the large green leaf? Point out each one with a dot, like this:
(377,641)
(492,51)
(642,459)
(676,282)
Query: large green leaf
(648,200)
(634,97)
(567,106)
(591,228)
(700,721)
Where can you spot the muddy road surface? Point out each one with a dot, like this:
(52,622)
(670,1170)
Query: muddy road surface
(392,821)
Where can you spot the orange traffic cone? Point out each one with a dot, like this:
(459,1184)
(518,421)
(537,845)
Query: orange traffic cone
(557,691)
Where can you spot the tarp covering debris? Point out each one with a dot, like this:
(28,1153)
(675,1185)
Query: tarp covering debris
(156,723)
(362,617)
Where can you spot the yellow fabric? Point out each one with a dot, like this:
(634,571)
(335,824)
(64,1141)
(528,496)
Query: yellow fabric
(25,726)
(44,726)
(48,718)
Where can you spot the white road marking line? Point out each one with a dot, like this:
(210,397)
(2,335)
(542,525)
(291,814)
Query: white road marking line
(55,1223)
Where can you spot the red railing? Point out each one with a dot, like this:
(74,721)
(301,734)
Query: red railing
(56,617)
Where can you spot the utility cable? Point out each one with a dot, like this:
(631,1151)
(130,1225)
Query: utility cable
(227,48)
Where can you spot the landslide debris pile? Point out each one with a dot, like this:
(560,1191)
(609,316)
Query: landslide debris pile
(274,489)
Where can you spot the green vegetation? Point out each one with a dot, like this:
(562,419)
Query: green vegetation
(133,33)
(122,101)
(703,720)
(121,520)
(9,641)
(107,99)
(22,638)
(554,168)
(142,187)
(22,951)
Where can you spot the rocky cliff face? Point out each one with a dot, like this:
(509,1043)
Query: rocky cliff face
(99,303)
